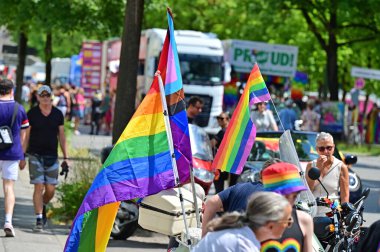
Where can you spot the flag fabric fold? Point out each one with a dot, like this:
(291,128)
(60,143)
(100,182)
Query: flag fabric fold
(241,131)
(140,162)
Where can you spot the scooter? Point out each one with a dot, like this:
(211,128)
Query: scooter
(126,221)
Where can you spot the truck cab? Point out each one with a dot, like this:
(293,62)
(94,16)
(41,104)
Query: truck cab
(201,62)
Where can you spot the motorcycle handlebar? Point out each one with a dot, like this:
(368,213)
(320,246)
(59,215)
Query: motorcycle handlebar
(353,223)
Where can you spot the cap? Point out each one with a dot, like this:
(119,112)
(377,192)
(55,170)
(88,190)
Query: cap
(282,178)
(44,88)
(6,84)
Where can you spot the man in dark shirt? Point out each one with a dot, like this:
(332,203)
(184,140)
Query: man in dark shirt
(46,128)
(194,108)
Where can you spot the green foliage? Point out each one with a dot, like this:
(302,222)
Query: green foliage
(71,192)
(365,149)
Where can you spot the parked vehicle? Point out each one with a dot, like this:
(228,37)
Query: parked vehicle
(340,229)
(126,221)
(266,146)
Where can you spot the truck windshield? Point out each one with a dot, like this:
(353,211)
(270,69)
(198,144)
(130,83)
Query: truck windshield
(201,69)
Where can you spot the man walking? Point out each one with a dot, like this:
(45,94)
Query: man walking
(46,129)
(13,115)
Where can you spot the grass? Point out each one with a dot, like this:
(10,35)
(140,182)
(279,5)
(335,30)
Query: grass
(364,149)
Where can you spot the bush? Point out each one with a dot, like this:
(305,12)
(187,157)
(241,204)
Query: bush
(71,192)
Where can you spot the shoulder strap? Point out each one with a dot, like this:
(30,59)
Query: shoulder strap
(15,110)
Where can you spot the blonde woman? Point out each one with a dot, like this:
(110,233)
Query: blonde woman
(267,216)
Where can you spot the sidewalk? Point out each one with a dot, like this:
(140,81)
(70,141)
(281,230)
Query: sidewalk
(54,236)
(51,240)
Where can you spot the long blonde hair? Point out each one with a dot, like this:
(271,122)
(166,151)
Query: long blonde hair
(262,207)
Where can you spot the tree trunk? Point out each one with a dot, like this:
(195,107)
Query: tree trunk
(332,55)
(129,57)
(48,57)
(21,54)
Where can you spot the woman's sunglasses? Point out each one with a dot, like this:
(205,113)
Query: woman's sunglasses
(323,148)
(221,118)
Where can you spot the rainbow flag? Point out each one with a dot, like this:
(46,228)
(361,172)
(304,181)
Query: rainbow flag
(241,132)
(140,163)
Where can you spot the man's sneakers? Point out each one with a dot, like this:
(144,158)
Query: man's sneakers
(39,226)
(9,230)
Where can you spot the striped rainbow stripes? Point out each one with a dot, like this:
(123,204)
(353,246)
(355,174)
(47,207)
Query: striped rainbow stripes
(241,132)
(140,162)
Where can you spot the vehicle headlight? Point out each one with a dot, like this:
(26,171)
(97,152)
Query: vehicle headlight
(203,175)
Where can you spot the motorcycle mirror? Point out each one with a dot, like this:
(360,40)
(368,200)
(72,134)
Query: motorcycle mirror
(366,192)
(314,173)
(350,159)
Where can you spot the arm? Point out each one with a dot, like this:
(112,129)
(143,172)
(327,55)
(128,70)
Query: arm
(344,184)
(25,141)
(306,224)
(212,206)
(62,141)
(272,121)
(22,163)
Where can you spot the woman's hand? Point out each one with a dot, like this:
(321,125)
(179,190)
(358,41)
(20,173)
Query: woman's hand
(321,161)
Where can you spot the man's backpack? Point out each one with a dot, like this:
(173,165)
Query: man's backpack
(6,136)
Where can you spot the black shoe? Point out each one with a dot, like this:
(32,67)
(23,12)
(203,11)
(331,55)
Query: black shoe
(39,226)
(44,218)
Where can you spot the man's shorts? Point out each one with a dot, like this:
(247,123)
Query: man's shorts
(9,169)
(42,174)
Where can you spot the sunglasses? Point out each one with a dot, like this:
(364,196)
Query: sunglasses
(289,222)
(44,95)
(221,118)
(323,148)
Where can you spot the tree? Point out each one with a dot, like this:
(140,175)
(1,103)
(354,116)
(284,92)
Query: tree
(16,15)
(127,79)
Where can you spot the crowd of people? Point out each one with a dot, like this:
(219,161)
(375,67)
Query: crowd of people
(95,110)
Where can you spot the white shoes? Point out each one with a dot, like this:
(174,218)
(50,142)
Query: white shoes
(9,230)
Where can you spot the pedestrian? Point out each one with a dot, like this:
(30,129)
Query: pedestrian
(45,131)
(334,173)
(288,116)
(78,109)
(310,119)
(263,118)
(279,177)
(194,108)
(223,121)
(13,115)
(96,113)
(267,216)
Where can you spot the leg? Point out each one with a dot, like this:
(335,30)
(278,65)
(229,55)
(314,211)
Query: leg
(38,198)
(48,194)
(9,196)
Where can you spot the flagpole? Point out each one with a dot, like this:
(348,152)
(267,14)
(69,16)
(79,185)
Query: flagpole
(171,148)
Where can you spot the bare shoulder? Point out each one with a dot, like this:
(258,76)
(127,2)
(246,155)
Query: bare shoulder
(304,218)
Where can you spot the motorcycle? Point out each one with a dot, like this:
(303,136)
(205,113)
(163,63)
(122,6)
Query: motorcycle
(126,221)
(340,229)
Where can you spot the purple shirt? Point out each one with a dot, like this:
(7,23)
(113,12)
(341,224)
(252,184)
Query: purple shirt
(15,152)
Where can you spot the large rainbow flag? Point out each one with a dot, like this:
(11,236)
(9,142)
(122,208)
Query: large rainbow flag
(241,132)
(140,164)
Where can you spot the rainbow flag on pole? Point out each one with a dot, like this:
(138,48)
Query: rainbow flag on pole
(140,163)
(241,132)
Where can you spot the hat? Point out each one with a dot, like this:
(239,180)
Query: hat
(6,84)
(282,178)
(44,88)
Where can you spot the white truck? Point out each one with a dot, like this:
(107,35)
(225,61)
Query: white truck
(201,62)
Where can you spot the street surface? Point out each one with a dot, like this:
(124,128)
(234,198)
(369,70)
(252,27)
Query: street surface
(54,238)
